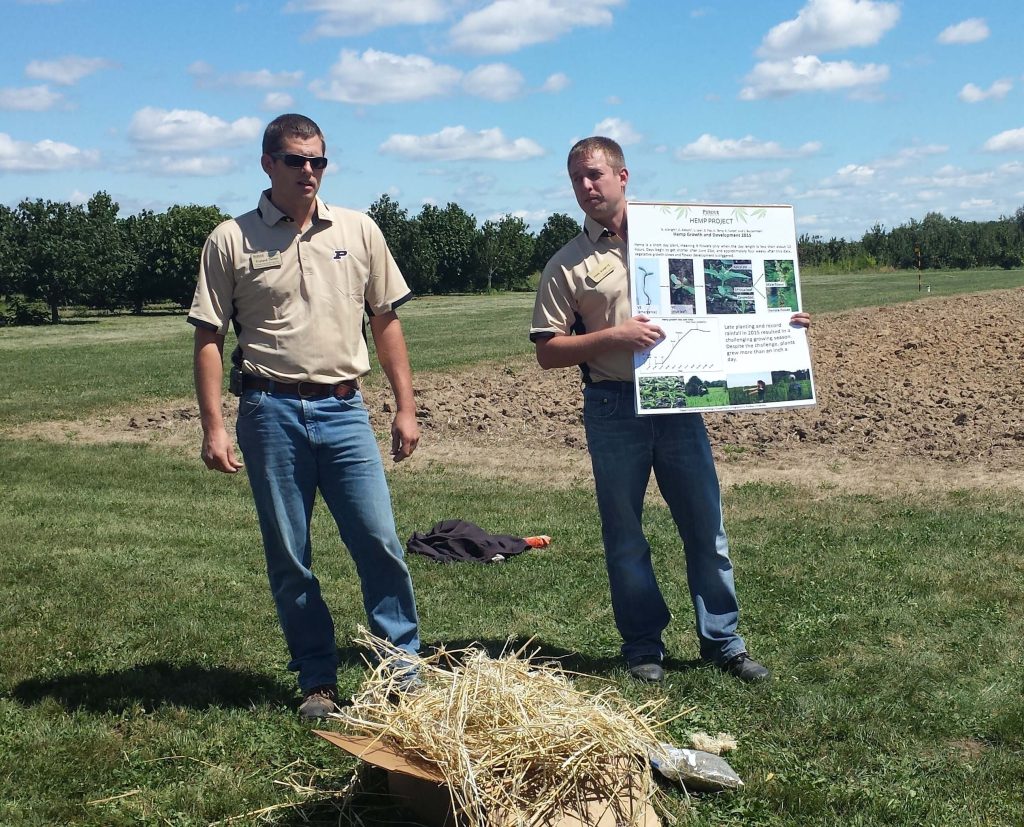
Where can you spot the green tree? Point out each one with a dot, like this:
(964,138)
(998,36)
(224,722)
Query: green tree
(142,280)
(419,259)
(503,254)
(106,261)
(55,246)
(557,231)
(450,234)
(182,230)
(393,222)
(10,251)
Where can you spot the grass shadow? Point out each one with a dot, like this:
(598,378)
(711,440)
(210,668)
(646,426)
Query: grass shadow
(570,661)
(156,684)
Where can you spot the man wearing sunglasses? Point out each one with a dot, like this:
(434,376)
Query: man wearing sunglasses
(295,277)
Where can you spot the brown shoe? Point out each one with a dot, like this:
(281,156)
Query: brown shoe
(318,702)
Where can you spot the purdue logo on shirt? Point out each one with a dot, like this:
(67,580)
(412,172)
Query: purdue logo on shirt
(340,254)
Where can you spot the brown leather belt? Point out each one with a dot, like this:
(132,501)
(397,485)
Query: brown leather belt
(306,390)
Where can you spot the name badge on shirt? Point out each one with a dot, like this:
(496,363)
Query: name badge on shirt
(265,259)
(601,273)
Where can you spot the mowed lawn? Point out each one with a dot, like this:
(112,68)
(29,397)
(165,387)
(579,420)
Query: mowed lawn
(142,675)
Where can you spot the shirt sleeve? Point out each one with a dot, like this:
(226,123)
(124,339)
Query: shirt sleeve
(554,310)
(386,288)
(212,303)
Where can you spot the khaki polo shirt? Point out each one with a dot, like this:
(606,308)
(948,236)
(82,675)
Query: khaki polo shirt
(297,298)
(585,288)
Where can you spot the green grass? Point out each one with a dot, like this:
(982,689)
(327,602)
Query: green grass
(99,364)
(845,291)
(142,676)
(139,652)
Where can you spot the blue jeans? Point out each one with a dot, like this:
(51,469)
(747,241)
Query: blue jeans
(624,448)
(292,447)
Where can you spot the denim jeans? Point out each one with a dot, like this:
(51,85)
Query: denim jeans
(292,447)
(624,448)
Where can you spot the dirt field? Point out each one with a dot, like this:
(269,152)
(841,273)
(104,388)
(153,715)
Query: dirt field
(926,395)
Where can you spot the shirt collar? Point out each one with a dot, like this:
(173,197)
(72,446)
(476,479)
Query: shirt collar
(271,214)
(597,232)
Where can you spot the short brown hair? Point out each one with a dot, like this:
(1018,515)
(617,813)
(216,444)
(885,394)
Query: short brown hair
(290,126)
(597,143)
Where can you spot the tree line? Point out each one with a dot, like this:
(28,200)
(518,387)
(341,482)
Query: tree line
(55,254)
(935,243)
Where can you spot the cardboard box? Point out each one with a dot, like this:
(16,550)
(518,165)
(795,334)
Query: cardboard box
(422,790)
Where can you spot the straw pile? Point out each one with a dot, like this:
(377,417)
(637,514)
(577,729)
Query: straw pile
(516,743)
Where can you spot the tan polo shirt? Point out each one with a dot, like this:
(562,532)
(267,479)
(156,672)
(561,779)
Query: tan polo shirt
(297,298)
(584,288)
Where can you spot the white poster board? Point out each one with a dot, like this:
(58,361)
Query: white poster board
(722,281)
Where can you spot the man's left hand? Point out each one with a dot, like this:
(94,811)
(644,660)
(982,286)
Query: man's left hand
(405,435)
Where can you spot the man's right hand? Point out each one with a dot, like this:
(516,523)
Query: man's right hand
(218,452)
(639,333)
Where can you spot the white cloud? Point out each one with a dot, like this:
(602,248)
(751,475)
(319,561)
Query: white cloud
(345,18)
(951,176)
(807,73)
(456,143)
(618,130)
(975,94)
(196,166)
(613,100)
(556,82)
(985,204)
(709,148)
(66,71)
(858,173)
(380,77)
(494,81)
(1012,140)
(973,30)
(909,155)
(830,25)
(205,75)
(187,130)
(29,98)
(509,25)
(759,187)
(277,102)
(43,156)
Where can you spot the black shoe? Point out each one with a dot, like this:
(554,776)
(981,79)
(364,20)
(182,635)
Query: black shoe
(745,668)
(649,671)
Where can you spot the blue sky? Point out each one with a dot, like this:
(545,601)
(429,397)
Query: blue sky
(854,111)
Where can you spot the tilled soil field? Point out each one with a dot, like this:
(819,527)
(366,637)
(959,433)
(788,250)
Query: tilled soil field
(936,379)
(924,394)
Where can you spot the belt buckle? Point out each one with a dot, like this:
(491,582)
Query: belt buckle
(313,392)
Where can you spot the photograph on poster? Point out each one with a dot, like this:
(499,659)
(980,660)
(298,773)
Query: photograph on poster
(729,286)
(681,290)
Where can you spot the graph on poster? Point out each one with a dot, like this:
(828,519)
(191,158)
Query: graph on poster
(684,340)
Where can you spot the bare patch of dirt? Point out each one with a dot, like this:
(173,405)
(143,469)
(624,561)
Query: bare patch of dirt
(925,395)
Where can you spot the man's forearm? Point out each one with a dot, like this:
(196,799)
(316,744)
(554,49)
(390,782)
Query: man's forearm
(394,358)
(208,370)
(563,351)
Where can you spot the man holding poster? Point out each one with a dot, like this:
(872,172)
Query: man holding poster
(582,317)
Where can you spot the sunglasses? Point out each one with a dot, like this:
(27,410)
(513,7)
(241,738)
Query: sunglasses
(299,161)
